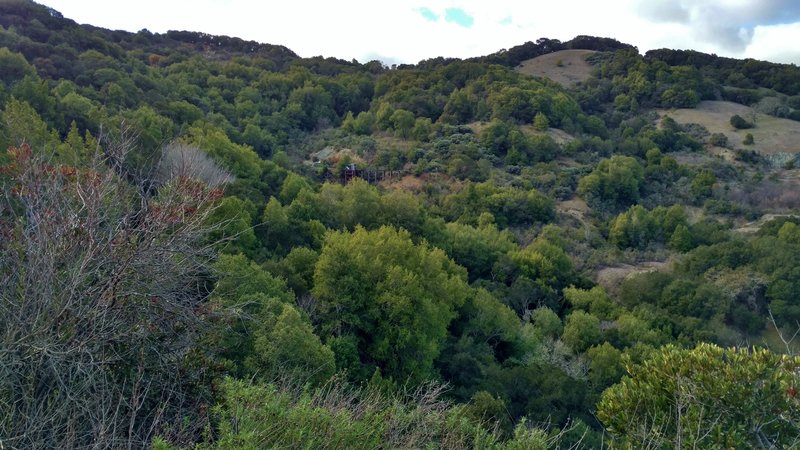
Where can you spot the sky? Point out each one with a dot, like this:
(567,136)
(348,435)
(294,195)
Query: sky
(407,31)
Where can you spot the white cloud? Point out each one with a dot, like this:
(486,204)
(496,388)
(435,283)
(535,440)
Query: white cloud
(775,43)
(728,25)
(362,29)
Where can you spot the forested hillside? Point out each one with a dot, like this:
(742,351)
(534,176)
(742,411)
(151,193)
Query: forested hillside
(207,242)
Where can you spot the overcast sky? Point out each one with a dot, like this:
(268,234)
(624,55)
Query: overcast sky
(407,31)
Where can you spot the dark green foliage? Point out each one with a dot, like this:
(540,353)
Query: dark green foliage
(485,335)
(606,366)
(244,291)
(517,54)
(285,345)
(581,331)
(538,391)
(718,140)
(508,206)
(741,73)
(615,182)
(496,137)
(298,269)
(236,231)
(731,254)
(471,264)
(743,96)
(14,66)
(637,227)
(740,123)
(461,107)
(670,137)
(475,248)
(703,184)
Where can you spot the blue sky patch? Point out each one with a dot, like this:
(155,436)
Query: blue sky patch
(506,21)
(429,15)
(459,17)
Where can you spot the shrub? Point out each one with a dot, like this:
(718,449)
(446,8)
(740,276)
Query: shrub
(340,416)
(102,276)
(740,123)
(718,140)
(706,396)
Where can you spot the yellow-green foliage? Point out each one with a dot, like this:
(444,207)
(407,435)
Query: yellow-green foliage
(706,397)
(338,416)
(392,297)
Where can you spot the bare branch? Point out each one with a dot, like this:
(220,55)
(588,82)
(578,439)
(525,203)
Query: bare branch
(101,287)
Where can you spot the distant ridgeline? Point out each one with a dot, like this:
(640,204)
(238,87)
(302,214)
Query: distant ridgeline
(55,42)
(738,73)
(515,55)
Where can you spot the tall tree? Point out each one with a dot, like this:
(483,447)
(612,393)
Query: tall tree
(386,302)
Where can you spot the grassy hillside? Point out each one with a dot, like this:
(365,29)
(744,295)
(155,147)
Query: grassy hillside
(197,251)
(771,135)
(565,67)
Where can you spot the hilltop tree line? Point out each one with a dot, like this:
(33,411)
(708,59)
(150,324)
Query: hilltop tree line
(177,273)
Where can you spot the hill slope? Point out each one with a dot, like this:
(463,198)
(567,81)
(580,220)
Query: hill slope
(159,234)
(566,67)
(771,134)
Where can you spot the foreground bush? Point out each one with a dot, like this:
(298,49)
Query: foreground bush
(99,299)
(339,416)
(706,397)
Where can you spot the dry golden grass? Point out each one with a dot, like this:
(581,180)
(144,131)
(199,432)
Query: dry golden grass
(771,134)
(566,67)
(754,226)
(408,183)
(610,278)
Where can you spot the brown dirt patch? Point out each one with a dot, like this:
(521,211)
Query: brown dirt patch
(333,155)
(610,278)
(566,67)
(574,204)
(753,227)
(574,207)
(724,153)
(560,137)
(408,183)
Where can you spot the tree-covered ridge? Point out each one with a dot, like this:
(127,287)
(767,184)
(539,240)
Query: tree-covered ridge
(187,190)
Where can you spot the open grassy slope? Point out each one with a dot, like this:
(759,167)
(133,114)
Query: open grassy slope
(772,134)
(566,67)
